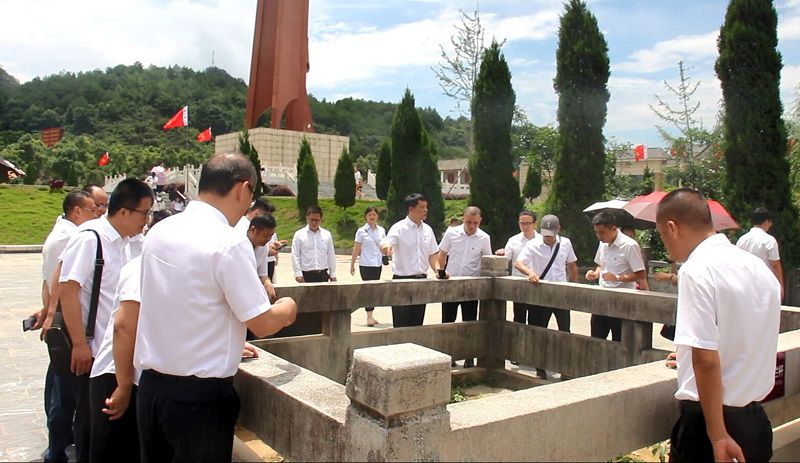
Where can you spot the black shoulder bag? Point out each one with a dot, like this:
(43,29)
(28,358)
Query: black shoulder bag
(59,344)
(552,258)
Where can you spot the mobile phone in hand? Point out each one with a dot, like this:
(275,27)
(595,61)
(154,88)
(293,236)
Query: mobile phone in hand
(28,323)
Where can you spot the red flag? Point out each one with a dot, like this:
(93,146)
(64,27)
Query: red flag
(103,159)
(640,152)
(204,136)
(180,119)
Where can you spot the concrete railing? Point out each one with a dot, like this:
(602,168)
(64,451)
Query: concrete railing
(394,407)
(619,402)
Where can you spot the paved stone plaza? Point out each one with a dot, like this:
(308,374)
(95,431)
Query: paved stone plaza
(23,434)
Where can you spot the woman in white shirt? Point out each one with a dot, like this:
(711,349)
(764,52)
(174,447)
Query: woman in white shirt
(368,249)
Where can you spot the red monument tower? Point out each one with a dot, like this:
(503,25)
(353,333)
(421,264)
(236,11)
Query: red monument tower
(279,66)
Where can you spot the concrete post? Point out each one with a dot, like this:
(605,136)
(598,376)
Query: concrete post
(636,337)
(494,311)
(398,403)
(336,325)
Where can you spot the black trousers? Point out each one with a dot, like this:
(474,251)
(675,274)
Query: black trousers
(540,316)
(601,325)
(111,440)
(408,315)
(271,270)
(370,274)
(316,276)
(184,418)
(81,425)
(469,311)
(520,312)
(748,426)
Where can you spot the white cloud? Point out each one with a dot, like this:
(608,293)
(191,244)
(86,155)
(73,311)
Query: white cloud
(666,54)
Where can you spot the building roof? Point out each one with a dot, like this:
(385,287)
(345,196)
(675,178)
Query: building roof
(452,164)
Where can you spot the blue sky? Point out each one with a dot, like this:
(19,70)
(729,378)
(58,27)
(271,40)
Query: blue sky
(374,49)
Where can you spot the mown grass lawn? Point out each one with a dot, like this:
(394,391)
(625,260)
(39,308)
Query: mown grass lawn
(27,214)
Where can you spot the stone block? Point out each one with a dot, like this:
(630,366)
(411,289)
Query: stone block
(399,379)
(494,266)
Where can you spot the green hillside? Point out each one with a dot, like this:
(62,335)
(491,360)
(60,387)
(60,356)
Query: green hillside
(121,110)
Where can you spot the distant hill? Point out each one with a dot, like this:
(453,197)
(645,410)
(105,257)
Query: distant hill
(121,110)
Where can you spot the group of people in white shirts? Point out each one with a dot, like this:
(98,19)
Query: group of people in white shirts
(173,320)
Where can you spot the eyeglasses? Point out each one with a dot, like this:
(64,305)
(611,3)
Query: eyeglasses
(90,209)
(526,223)
(148,213)
(102,206)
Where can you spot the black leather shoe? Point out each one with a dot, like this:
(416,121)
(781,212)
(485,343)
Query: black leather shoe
(469,363)
(541,373)
(514,362)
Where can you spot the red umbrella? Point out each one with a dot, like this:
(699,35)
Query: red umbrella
(644,208)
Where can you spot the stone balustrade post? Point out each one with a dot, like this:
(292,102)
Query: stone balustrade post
(494,311)
(636,337)
(398,403)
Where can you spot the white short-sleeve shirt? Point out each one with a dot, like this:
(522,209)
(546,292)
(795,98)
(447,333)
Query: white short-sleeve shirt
(261,252)
(313,251)
(412,245)
(77,264)
(537,254)
(464,251)
(370,241)
(514,247)
(728,302)
(269,243)
(54,245)
(129,289)
(760,244)
(199,287)
(621,256)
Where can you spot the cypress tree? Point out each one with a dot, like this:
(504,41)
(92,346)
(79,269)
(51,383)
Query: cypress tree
(533,182)
(344,181)
(582,72)
(384,174)
(406,157)
(432,184)
(246,148)
(493,187)
(754,135)
(307,180)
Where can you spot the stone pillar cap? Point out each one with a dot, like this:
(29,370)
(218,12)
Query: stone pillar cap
(399,378)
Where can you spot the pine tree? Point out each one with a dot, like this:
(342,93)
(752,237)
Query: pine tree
(533,182)
(344,181)
(246,148)
(407,154)
(493,187)
(432,184)
(582,71)
(384,174)
(754,134)
(307,180)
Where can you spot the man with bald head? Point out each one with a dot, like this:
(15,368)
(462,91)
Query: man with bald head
(99,196)
(726,337)
(460,255)
(200,292)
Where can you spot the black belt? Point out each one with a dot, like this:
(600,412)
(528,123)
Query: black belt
(694,407)
(190,379)
(316,272)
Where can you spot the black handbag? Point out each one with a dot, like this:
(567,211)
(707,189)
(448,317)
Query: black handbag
(59,344)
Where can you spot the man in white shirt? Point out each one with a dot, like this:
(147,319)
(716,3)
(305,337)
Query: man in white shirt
(761,244)
(128,212)
(161,176)
(548,257)
(619,265)
(413,245)
(726,337)
(59,401)
(512,250)
(192,322)
(313,256)
(99,196)
(464,245)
